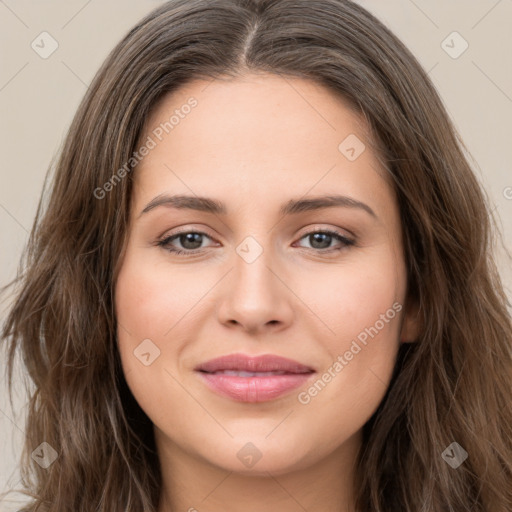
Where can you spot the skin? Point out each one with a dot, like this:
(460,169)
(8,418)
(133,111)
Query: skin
(254,143)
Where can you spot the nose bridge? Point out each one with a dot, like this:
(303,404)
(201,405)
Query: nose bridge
(253,282)
(254,259)
(254,296)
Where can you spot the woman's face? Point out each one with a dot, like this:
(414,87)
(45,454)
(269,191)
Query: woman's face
(259,275)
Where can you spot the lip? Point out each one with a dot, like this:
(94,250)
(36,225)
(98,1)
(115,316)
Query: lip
(289,374)
(263,363)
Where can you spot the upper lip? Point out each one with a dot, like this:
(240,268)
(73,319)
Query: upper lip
(263,363)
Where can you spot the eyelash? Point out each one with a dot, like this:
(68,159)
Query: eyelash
(347,242)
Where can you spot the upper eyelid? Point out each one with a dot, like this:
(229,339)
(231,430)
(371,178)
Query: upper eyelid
(185,231)
(313,229)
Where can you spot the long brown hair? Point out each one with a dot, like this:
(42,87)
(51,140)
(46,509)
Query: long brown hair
(453,385)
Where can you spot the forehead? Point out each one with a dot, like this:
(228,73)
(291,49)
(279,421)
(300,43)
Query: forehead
(258,136)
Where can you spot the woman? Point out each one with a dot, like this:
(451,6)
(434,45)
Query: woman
(367,371)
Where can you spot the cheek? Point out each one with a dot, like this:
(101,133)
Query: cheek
(154,306)
(356,295)
(150,299)
(147,307)
(362,308)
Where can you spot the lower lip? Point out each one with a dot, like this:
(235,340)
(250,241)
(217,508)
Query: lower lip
(254,389)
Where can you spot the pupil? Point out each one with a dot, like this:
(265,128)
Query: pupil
(189,237)
(318,237)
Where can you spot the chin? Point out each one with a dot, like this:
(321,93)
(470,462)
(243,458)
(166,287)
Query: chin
(260,457)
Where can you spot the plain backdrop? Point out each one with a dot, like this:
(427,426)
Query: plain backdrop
(38,97)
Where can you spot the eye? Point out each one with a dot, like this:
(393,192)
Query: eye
(322,239)
(191,242)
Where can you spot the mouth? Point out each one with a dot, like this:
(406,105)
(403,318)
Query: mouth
(253,379)
(240,373)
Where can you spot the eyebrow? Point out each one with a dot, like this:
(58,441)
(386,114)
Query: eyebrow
(293,206)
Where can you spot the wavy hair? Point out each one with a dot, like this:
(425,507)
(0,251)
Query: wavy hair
(452,385)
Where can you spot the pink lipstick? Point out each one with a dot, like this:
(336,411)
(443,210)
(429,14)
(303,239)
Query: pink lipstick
(253,379)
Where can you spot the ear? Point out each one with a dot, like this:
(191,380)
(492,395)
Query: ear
(410,322)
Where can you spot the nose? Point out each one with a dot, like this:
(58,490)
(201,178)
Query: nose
(255,296)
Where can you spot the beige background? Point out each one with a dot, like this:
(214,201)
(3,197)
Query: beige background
(38,98)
